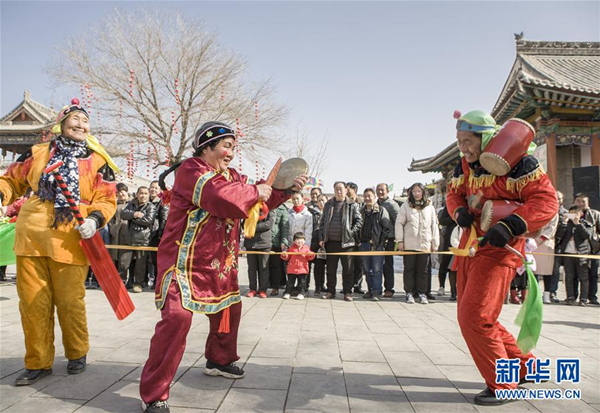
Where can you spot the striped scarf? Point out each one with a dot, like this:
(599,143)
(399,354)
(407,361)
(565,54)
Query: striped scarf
(68,151)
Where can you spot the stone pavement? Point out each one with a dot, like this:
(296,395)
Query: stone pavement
(311,355)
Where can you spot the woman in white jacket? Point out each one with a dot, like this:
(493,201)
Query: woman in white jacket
(301,220)
(417,230)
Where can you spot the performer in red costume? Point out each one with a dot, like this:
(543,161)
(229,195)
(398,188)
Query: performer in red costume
(197,261)
(484,279)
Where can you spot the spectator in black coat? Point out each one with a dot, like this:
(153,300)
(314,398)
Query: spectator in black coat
(141,214)
(448,225)
(575,233)
(258,264)
(158,227)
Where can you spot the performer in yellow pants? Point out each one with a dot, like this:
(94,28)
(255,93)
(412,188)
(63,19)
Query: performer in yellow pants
(43,283)
(51,266)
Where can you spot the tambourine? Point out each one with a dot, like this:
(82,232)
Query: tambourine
(288,171)
(495,210)
(507,147)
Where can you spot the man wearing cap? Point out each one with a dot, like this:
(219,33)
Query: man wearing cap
(484,279)
(197,261)
(51,265)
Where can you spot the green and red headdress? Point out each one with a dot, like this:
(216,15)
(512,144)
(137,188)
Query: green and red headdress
(477,121)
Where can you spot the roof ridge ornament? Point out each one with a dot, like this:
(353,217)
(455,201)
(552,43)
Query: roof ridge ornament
(519,37)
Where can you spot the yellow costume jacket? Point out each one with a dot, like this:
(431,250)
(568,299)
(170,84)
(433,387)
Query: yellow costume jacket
(34,235)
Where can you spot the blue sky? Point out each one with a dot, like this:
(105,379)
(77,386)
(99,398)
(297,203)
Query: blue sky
(381,79)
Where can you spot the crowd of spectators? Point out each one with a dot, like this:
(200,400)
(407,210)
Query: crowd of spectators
(347,223)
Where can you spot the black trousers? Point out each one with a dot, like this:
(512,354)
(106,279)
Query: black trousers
(137,263)
(593,279)
(357,269)
(152,264)
(291,283)
(332,266)
(276,270)
(452,277)
(388,267)
(551,281)
(443,271)
(318,266)
(576,271)
(258,265)
(415,273)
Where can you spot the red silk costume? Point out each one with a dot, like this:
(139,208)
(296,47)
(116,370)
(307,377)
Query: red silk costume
(197,268)
(483,281)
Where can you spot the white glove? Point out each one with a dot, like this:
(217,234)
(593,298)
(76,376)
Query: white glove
(87,229)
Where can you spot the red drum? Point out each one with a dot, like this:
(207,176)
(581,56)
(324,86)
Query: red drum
(494,210)
(507,147)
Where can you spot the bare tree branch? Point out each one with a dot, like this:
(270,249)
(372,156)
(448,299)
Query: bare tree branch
(161,51)
(313,151)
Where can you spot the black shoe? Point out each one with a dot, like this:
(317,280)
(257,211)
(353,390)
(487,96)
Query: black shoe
(359,290)
(76,366)
(430,296)
(488,398)
(553,298)
(368,295)
(593,302)
(230,371)
(453,298)
(160,406)
(317,291)
(28,377)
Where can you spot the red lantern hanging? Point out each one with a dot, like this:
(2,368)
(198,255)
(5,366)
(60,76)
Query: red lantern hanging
(131,78)
(177,99)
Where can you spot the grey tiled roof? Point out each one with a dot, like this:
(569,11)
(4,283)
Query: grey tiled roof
(558,73)
(565,74)
(435,163)
(42,114)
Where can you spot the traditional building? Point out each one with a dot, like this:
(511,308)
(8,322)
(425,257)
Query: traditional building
(24,126)
(30,123)
(556,87)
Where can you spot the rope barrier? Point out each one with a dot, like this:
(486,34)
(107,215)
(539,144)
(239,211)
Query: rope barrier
(355,253)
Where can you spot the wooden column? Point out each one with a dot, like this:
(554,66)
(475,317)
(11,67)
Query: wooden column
(551,153)
(595,150)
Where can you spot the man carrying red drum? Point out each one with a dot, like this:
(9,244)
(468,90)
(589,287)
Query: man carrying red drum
(484,279)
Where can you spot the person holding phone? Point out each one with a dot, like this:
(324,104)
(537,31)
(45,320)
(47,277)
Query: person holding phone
(575,233)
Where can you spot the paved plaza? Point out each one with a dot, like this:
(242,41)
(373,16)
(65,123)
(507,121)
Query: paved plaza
(311,355)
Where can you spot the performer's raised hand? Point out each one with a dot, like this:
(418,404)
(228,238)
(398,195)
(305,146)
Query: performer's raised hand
(264,192)
(463,218)
(299,182)
(497,236)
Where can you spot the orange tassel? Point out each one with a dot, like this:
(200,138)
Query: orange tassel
(224,324)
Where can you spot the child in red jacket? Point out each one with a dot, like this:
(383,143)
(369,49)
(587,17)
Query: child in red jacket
(297,268)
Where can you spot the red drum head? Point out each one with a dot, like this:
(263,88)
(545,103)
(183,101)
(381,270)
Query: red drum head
(507,147)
